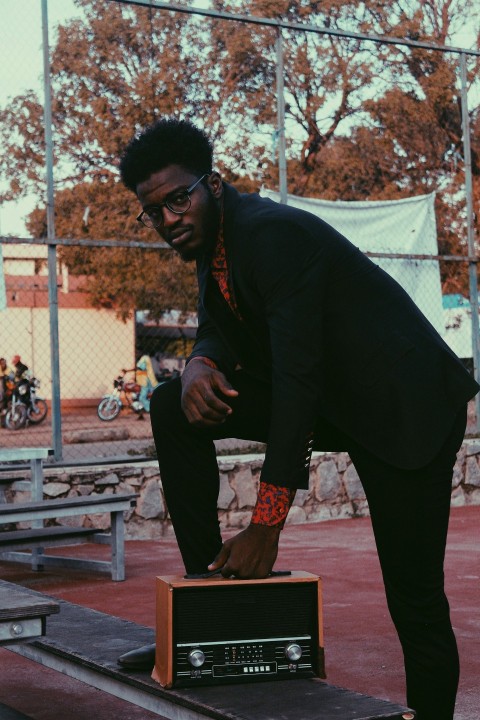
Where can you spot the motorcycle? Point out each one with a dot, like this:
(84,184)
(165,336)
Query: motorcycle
(126,394)
(23,404)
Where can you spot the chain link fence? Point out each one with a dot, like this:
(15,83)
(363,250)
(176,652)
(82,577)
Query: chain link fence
(97,342)
(97,350)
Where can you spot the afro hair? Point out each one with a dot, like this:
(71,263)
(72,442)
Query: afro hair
(166,142)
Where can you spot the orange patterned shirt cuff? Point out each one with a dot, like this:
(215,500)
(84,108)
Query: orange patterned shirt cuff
(272,506)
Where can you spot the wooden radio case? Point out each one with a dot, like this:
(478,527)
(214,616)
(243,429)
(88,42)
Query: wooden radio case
(217,630)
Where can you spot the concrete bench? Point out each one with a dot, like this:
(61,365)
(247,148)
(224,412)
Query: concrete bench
(45,537)
(35,457)
(23,613)
(84,644)
(38,537)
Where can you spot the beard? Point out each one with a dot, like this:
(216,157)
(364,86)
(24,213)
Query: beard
(205,232)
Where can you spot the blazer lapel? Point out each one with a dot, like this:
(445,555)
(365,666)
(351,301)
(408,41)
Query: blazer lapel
(235,333)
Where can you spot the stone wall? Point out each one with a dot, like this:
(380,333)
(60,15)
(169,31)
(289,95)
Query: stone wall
(335,491)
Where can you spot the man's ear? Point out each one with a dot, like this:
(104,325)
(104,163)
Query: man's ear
(215,185)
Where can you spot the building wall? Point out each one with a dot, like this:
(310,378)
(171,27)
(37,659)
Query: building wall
(93,347)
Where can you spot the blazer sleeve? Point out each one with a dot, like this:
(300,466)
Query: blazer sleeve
(290,271)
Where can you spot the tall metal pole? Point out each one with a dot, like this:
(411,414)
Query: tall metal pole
(52,248)
(472,266)
(282,161)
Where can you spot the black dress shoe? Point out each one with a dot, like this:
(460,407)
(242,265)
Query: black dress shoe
(143,658)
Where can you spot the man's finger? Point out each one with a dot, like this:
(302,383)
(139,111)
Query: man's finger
(221,383)
(220,560)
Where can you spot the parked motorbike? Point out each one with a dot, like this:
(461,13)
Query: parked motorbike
(23,404)
(126,394)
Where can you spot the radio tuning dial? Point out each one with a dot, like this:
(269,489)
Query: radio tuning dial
(196,657)
(293,652)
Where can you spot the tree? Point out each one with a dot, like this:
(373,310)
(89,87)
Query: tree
(120,278)
(110,77)
(363,120)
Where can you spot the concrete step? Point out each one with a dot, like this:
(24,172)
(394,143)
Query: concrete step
(85,644)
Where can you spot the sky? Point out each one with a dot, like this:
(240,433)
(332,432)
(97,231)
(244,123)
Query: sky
(21,68)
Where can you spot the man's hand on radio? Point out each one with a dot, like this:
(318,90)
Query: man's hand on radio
(204,390)
(250,554)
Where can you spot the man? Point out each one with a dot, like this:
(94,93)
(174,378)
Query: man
(20,367)
(303,343)
(145,377)
(5,373)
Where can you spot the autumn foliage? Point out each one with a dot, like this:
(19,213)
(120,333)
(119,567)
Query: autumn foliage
(363,121)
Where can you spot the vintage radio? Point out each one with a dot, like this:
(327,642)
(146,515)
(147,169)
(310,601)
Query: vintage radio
(216,630)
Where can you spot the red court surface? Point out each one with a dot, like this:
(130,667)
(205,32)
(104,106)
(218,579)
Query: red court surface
(362,650)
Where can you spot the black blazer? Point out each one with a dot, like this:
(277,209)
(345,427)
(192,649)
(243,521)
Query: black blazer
(338,339)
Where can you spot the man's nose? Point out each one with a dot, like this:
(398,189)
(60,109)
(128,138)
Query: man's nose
(169,217)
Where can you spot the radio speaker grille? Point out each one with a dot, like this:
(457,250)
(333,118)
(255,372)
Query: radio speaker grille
(211,614)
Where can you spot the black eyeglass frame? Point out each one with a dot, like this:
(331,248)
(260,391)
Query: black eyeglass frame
(188,191)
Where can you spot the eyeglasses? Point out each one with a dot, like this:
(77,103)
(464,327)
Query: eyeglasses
(178,202)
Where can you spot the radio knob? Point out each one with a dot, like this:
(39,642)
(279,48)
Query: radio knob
(293,652)
(196,657)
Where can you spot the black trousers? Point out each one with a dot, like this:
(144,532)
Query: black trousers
(409,511)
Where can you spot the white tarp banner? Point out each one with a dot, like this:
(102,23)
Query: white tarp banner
(458,330)
(393,226)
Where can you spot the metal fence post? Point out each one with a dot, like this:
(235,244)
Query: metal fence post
(282,162)
(52,248)
(472,265)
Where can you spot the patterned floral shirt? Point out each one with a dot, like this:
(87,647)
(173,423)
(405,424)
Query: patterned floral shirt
(219,270)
